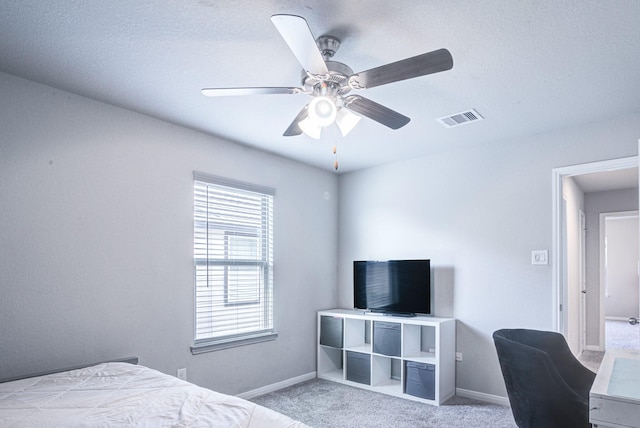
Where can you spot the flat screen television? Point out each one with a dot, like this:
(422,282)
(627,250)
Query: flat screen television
(397,287)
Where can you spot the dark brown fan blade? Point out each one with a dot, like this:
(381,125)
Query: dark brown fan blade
(229,92)
(427,63)
(294,129)
(375,111)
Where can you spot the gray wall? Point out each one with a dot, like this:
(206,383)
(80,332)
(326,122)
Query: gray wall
(96,226)
(478,214)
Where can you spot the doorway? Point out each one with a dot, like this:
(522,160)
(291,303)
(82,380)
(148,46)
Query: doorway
(568,295)
(619,269)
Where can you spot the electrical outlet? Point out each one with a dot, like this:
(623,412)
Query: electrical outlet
(540,257)
(458,356)
(182,373)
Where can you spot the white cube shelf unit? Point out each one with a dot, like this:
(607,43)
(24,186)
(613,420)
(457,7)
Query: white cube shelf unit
(408,357)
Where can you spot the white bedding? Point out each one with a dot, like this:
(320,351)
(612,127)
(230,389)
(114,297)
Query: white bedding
(120,394)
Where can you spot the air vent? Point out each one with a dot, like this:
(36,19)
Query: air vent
(461,118)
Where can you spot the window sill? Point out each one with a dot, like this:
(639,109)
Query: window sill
(217,345)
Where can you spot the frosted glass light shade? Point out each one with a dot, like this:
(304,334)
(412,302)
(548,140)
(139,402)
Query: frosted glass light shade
(346,120)
(322,111)
(310,128)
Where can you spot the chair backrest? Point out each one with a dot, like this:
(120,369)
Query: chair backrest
(533,364)
(577,376)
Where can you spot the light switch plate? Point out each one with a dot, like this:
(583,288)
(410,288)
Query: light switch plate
(540,257)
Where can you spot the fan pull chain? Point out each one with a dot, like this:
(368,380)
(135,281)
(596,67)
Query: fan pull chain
(334,149)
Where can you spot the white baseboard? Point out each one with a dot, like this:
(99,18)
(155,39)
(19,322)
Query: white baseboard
(619,318)
(481,396)
(276,386)
(593,348)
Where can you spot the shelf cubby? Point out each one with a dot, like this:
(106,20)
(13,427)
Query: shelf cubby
(330,363)
(419,343)
(386,374)
(357,335)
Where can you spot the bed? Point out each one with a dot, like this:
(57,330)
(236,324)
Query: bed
(115,394)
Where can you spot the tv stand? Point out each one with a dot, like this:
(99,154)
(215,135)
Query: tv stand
(407,357)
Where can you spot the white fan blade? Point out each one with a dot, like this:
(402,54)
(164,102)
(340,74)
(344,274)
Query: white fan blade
(295,31)
(227,92)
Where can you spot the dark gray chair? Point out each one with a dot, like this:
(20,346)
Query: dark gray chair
(547,386)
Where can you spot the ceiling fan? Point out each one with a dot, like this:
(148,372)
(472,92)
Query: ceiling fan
(329,82)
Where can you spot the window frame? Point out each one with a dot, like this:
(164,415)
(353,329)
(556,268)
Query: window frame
(263,261)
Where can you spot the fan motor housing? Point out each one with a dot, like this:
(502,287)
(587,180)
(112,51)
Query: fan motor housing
(336,82)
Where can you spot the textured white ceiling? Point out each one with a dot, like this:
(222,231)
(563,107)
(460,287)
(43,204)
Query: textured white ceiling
(608,180)
(527,66)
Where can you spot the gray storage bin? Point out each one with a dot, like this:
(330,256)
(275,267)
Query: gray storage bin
(386,338)
(420,380)
(331,331)
(359,367)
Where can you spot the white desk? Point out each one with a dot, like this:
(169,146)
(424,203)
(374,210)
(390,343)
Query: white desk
(614,399)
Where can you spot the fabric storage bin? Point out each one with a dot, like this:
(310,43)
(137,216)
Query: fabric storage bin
(331,331)
(420,380)
(359,367)
(386,338)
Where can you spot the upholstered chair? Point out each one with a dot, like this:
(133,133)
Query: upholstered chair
(547,386)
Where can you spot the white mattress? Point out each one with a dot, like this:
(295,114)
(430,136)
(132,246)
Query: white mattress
(120,394)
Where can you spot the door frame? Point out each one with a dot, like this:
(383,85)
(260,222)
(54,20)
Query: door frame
(583,281)
(558,262)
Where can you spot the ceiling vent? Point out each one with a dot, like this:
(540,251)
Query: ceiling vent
(461,118)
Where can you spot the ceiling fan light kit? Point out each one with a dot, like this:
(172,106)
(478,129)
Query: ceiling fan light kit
(322,111)
(329,82)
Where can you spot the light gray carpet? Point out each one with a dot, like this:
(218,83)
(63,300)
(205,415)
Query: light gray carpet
(621,334)
(618,334)
(591,359)
(324,404)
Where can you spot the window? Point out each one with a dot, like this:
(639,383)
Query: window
(233,263)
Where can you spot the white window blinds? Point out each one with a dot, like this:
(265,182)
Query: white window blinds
(233,262)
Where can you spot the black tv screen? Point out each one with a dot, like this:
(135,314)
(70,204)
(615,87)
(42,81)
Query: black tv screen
(393,286)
